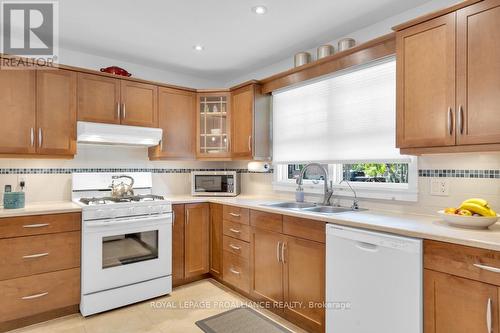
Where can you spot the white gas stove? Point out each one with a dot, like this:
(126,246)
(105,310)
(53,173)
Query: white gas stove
(126,242)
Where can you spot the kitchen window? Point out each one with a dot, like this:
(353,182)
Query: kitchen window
(346,122)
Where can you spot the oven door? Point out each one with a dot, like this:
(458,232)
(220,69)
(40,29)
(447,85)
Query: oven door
(121,252)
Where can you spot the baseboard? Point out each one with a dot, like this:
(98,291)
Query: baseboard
(38,318)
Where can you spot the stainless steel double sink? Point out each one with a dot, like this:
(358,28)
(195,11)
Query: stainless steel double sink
(311,207)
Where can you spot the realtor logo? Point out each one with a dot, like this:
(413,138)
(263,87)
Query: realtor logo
(30,29)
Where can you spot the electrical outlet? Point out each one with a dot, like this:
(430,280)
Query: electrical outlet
(440,187)
(20,178)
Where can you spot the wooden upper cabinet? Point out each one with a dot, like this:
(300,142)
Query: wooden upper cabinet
(56,112)
(177,119)
(478,70)
(242,113)
(305,261)
(17,100)
(458,305)
(98,99)
(196,240)
(139,104)
(426,84)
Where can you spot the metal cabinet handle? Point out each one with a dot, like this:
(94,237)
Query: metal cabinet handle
(118,113)
(249,143)
(173,218)
(278,252)
(283,247)
(488,268)
(32,137)
(35,296)
(234,247)
(161,144)
(187,217)
(234,271)
(124,114)
(488,315)
(461,119)
(40,137)
(39,225)
(450,120)
(234,230)
(38,255)
(235,215)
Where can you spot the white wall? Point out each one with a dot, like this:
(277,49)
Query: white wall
(370,32)
(141,71)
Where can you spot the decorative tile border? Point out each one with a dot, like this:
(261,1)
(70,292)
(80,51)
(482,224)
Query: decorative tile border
(493,174)
(49,171)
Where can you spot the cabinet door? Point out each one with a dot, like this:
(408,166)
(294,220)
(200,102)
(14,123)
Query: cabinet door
(17,100)
(478,69)
(98,99)
(426,84)
(196,247)
(457,305)
(56,112)
(266,281)
(178,244)
(216,240)
(139,104)
(213,126)
(177,119)
(305,261)
(242,107)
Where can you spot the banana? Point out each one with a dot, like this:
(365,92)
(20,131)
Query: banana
(480,202)
(478,209)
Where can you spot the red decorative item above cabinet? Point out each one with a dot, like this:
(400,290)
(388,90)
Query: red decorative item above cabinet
(116,70)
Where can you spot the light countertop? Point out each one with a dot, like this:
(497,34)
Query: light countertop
(411,225)
(40,208)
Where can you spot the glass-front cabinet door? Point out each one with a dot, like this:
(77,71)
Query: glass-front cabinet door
(213,129)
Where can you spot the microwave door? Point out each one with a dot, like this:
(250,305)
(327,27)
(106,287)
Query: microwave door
(209,184)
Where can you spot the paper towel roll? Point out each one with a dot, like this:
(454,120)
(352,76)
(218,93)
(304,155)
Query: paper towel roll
(259,166)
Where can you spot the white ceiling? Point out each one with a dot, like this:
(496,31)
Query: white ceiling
(161,33)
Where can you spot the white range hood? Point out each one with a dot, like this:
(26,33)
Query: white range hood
(108,134)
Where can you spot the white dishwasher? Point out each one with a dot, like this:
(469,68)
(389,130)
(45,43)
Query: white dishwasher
(373,282)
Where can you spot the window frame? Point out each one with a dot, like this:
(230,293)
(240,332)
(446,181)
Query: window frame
(367,190)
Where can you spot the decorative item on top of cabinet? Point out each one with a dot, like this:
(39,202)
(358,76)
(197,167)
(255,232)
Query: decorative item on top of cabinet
(177,119)
(213,126)
(250,123)
(448,89)
(103,99)
(38,112)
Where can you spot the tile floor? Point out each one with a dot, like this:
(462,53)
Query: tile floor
(177,312)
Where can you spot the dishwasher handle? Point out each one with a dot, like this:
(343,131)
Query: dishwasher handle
(367,246)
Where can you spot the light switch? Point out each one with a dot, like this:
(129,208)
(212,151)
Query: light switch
(440,187)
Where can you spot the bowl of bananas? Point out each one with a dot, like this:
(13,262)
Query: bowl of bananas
(472,213)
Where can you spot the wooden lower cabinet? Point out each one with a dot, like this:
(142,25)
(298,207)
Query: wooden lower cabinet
(456,305)
(216,240)
(196,240)
(178,244)
(304,282)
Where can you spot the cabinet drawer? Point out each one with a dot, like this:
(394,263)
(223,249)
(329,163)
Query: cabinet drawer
(236,214)
(236,247)
(236,271)
(236,230)
(39,224)
(35,294)
(304,228)
(267,221)
(469,262)
(39,254)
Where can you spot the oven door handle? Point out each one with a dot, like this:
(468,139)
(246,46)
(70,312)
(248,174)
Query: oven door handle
(139,221)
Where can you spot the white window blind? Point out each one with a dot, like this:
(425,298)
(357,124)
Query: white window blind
(348,117)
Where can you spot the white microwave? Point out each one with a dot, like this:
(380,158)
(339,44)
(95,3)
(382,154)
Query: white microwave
(215,183)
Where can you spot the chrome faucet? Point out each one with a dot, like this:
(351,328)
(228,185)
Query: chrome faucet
(355,201)
(328,191)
